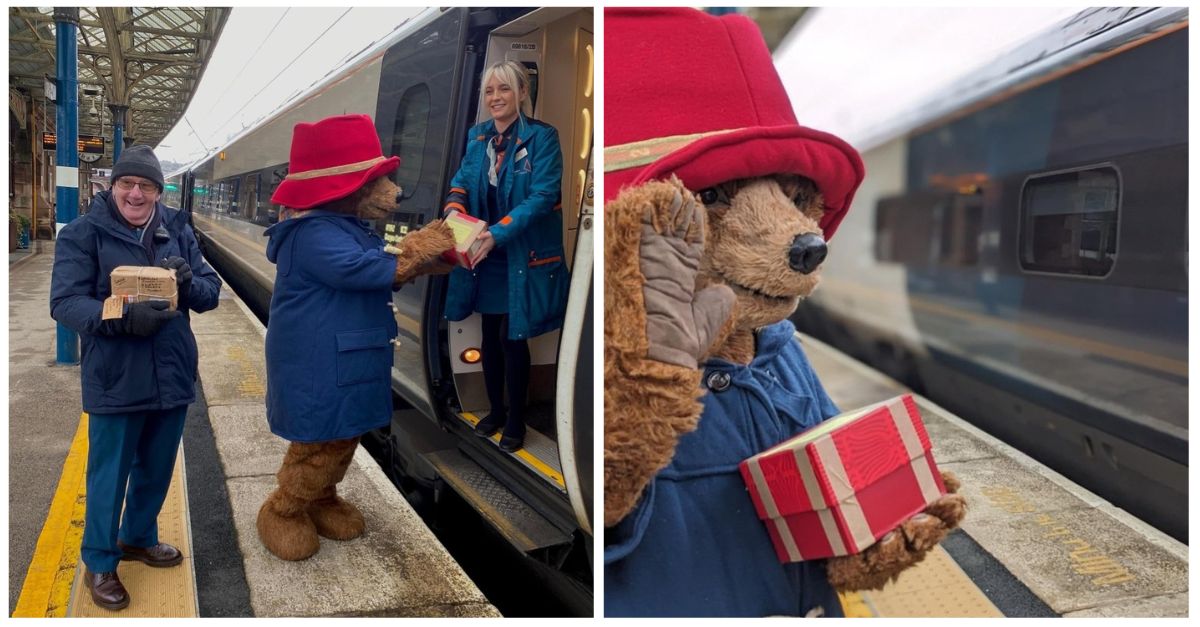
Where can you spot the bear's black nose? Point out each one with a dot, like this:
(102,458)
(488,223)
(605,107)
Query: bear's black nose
(807,252)
(399,195)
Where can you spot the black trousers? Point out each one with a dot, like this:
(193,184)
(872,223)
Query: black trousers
(504,361)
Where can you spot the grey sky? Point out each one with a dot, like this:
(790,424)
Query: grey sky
(247,61)
(848,70)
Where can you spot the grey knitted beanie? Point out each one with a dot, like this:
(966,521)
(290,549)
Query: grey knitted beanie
(139,161)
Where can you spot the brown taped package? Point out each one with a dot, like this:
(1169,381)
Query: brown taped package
(131,284)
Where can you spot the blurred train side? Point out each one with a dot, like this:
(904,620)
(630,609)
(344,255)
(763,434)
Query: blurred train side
(1020,256)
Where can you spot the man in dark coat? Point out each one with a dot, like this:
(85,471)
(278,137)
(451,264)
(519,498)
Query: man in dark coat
(138,371)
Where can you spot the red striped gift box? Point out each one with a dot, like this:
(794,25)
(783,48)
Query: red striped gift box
(840,486)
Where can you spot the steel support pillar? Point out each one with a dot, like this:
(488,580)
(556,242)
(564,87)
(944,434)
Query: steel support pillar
(66,24)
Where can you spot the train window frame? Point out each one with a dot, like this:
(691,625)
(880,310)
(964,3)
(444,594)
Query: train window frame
(1024,208)
(417,155)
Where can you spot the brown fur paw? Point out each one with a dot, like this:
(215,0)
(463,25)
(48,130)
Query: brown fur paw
(901,548)
(336,519)
(285,528)
(951,482)
(419,249)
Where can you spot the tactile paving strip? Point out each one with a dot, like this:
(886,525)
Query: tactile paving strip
(935,588)
(158,592)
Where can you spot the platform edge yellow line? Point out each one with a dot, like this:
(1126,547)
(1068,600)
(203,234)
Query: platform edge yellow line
(47,587)
(854,605)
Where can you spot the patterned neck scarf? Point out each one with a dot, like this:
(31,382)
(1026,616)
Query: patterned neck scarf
(497,148)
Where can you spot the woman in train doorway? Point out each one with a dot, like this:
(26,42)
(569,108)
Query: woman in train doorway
(511,177)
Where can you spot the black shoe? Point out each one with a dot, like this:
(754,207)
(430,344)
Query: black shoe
(514,436)
(107,590)
(488,426)
(160,555)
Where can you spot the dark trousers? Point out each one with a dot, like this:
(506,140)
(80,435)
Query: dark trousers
(504,361)
(130,460)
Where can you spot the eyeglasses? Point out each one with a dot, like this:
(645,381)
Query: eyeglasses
(146,187)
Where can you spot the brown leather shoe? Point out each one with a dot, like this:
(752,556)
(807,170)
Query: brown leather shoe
(160,555)
(106,589)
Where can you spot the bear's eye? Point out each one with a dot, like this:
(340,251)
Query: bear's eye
(713,195)
(800,198)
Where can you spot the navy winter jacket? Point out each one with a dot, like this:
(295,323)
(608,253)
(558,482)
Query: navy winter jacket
(126,373)
(529,191)
(329,351)
(694,545)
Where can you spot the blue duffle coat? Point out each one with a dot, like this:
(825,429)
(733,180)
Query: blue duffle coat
(329,351)
(694,545)
(124,373)
(529,190)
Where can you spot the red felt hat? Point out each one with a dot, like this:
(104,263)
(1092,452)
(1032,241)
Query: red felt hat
(331,159)
(697,96)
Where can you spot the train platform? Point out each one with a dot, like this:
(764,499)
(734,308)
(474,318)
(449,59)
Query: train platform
(226,468)
(1033,544)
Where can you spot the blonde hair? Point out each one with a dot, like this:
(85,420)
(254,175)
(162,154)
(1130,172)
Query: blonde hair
(514,75)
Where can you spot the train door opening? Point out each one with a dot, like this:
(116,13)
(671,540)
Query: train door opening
(556,46)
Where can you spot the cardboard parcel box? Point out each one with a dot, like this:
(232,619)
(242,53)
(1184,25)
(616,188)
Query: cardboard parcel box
(840,486)
(466,237)
(131,284)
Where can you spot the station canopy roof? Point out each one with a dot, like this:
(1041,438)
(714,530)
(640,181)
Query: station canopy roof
(150,59)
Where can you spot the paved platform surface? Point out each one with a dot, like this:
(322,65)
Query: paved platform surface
(397,568)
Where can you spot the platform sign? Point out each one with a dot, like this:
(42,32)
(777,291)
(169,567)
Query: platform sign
(88,144)
(91,144)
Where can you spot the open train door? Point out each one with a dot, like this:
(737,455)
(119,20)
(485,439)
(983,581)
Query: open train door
(556,43)
(540,497)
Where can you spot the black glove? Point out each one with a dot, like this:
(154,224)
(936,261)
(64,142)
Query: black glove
(146,318)
(183,273)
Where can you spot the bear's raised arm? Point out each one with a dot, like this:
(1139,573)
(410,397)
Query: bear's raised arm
(657,328)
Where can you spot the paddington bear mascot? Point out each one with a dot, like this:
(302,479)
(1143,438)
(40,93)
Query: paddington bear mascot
(718,210)
(329,338)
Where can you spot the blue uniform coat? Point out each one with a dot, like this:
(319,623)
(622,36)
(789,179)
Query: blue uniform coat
(329,352)
(694,545)
(125,373)
(529,190)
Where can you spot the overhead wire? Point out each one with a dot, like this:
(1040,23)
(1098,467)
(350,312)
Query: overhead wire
(284,70)
(247,63)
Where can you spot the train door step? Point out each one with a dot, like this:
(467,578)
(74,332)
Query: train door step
(505,511)
(540,453)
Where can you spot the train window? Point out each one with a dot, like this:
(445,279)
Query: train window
(278,173)
(1069,222)
(408,139)
(904,224)
(249,201)
(961,224)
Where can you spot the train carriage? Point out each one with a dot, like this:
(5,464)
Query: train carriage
(1022,255)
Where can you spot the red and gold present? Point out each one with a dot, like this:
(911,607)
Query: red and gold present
(467,230)
(840,486)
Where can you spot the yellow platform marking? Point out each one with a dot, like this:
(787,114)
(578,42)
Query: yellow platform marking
(541,466)
(935,588)
(47,587)
(158,592)
(54,586)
